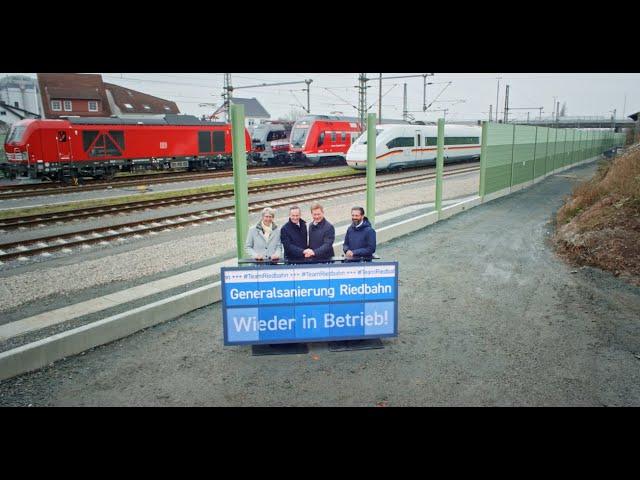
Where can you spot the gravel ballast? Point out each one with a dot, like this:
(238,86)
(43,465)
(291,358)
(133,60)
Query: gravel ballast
(167,251)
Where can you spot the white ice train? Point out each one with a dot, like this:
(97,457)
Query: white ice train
(400,146)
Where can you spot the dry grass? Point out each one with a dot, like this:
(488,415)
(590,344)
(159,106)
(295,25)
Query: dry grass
(619,179)
(599,225)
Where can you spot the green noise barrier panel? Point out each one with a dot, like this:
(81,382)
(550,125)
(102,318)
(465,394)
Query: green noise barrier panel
(515,154)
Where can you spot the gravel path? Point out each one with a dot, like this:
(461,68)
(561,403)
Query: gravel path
(172,250)
(488,316)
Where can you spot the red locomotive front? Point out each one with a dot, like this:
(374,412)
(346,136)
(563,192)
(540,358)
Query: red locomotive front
(99,147)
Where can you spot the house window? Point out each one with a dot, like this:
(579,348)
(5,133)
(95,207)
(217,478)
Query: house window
(68,106)
(167,108)
(146,107)
(3,113)
(128,105)
(56,105)
(16,104)
(93,106)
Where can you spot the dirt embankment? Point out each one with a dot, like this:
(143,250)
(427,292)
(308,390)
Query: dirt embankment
(599,225)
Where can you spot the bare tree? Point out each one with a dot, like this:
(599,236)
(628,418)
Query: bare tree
(293,115)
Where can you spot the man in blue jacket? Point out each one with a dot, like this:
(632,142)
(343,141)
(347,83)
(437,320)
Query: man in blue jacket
(293,236)
(321,236)
(360,240)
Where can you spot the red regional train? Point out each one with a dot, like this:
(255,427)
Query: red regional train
(324,139)
(69,149)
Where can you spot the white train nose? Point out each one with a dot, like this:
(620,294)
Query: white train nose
(357,156)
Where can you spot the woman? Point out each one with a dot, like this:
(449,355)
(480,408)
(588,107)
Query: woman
(263,240)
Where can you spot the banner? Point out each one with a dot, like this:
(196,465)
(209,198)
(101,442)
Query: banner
(309,303)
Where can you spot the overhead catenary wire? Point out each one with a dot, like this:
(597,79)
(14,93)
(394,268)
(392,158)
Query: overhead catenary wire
(330,80)
(340,98)
(383,95)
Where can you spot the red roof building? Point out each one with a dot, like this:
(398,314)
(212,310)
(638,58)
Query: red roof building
(72,94)
(126,101)
(86,95)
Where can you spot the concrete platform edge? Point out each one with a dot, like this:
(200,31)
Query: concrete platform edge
(72,342)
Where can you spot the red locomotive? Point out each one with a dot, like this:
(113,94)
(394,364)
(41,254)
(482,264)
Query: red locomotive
(68,149)
(322,139)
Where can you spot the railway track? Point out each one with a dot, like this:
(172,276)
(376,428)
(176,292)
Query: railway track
(105,235)
(8,192)
(92,212)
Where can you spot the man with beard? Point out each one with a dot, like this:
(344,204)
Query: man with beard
(360,240)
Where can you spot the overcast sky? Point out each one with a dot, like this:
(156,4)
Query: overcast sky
(467,97)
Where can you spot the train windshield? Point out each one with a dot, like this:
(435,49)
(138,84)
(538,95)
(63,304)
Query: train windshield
(15,134)
(260,133)
(298,136)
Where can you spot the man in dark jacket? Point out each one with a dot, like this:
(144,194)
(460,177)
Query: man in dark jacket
(360,240)
(321,236)
(293,236)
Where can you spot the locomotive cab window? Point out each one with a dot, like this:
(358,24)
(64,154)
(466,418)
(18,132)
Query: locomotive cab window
(15,134)
(299,136)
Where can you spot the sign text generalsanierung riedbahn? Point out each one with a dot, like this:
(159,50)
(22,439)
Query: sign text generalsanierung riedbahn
(306,303)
